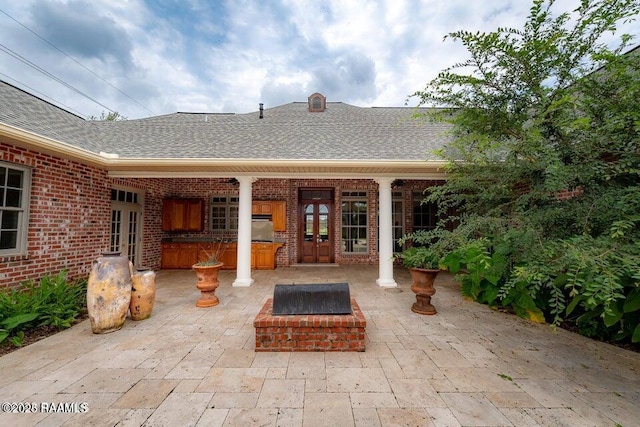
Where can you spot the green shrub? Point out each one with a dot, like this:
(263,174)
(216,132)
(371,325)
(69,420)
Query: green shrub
(53,301)
(419,257)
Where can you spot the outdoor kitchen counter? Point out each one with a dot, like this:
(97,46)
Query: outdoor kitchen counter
(183,252)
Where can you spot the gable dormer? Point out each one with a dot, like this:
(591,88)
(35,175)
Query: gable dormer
(317,103)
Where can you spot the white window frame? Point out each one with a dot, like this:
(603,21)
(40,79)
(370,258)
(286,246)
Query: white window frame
(23,210)
(347,197)
(128,201)
(231,201)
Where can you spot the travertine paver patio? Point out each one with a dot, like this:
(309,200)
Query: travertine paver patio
(468,365)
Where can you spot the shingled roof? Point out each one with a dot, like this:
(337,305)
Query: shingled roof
(288,132)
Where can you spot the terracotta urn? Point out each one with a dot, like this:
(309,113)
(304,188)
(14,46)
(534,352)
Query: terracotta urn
(109,292)
(423,288)
(207,283)
(143,294)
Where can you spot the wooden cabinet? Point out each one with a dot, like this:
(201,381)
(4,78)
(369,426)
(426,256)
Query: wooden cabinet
(170,255)
(279,215)
(227,254)
(179,255)
(263,256)
(182,215)
(185,254)
(188,255)
(230,256)
(276,208)
(259,207)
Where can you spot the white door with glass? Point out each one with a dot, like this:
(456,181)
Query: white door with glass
(126,225)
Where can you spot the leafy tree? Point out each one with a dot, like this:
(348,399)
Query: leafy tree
(536,112)
(111,116)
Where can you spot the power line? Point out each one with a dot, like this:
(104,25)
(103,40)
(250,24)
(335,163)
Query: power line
(48,74)
(76,61)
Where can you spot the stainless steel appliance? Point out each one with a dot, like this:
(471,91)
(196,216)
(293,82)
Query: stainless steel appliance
(262,231)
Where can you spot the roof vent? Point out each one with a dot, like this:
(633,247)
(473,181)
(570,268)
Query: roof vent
(261,111)
(317,103)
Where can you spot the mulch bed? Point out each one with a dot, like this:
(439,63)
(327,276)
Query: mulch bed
(34,335)
(571,327)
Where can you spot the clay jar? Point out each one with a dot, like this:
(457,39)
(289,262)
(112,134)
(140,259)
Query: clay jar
(109,292)
(143,294)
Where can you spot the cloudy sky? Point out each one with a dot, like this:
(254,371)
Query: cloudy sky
(151,57)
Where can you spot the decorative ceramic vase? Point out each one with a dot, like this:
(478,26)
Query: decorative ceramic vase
(109,292)
(207,284)
(143,294)
(423,288)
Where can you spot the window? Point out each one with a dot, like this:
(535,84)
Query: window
(317,102)
(224,214)
(397,219)
(354,222)
(15,183)
(124,196)
(425,215)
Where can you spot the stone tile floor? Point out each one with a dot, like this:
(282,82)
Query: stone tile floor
(468,365)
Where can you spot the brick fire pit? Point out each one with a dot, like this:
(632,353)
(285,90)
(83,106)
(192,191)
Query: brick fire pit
(309,332)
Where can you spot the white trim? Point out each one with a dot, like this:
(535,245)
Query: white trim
(426,176)
(22,243)
(124,232)
(49,145)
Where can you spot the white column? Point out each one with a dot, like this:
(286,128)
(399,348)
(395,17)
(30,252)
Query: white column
(243,271)
(385,254)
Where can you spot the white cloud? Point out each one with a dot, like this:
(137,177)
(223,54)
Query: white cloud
(227,57)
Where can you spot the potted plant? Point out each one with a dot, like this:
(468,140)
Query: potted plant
(423,264)
(207,271)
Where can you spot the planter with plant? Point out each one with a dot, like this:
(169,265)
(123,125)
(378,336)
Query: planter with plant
(423,264)
(207,272)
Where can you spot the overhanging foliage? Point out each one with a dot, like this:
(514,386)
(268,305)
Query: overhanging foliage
(537,111)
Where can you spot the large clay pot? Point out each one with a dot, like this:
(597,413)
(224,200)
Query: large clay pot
(143,294)
(109,292)
(423,288)
(207,284)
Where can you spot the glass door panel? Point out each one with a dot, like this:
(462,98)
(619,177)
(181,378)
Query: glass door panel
(315,227)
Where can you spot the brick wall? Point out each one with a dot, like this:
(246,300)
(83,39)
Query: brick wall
(568,194)
(286,189)
(313,332)
(338,185)
(154,190)
(68,217)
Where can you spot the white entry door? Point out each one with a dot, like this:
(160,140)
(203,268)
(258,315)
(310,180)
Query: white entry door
(126,226)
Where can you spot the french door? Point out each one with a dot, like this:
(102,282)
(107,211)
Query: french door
(316,245)
(126,230)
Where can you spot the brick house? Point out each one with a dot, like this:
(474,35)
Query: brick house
(340,183)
